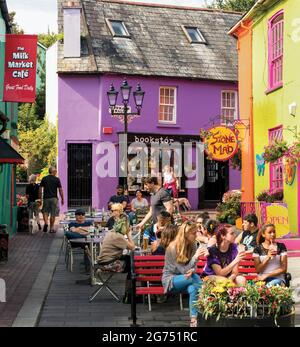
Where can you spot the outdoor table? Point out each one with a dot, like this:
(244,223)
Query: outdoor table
(91,241)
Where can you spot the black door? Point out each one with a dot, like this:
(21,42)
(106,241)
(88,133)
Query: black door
(79,175)
(216,182)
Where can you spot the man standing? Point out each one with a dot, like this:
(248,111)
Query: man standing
(50,184)
(160,201)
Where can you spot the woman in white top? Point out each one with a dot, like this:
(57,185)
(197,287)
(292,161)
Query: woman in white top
(270,257)
(170,181)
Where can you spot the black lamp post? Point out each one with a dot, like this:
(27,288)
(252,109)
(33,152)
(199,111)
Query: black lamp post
(138,96)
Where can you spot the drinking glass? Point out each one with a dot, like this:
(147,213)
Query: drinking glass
(145,243)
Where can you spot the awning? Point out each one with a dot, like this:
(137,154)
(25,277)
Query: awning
(8,154)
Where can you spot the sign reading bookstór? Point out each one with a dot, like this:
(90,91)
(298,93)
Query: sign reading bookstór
(20,68)
(221,144)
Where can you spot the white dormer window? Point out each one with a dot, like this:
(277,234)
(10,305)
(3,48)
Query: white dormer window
(193,34)
(117,28)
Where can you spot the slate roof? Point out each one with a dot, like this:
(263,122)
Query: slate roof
(158,45)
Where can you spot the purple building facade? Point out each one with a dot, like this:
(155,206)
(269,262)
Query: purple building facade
(84,120)
(84,112)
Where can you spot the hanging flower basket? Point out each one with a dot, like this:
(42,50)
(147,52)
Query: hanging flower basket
(275,151)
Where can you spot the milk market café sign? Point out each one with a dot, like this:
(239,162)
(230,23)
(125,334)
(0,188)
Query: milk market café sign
(221,144)
(20,68)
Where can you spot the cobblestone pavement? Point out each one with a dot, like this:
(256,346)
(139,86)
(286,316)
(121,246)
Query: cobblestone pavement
(26,256)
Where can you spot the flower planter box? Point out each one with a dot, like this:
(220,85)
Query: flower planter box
(266,321)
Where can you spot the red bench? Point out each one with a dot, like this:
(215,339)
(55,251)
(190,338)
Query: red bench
(147,274)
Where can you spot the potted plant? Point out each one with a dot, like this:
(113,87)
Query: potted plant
(221,303)
(275,151)
(230,208)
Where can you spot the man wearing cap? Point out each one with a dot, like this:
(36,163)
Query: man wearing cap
(78,230)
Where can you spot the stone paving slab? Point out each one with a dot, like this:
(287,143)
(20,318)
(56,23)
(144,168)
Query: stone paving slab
(26,256)
(67,303)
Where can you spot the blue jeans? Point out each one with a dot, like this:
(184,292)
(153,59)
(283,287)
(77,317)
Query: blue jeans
(273,281)
(192,285)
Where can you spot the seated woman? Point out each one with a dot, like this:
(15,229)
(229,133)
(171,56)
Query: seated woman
(138,205)
(164,238)
(270,257)
(180,264)
(116,210)
(224,257)
(207,237)
(170,181)
(114,243)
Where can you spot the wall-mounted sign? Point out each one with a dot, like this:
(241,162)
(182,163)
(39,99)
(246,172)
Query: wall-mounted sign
(222,143)
(20,68)
(290,169)
(278,214)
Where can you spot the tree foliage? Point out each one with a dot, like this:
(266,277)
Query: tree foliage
(232,5)
(38,147)
(48,39)
(14,26)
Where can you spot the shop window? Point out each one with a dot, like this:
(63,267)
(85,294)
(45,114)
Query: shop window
(275,37)
(276,169)
(228,106)
(167,105)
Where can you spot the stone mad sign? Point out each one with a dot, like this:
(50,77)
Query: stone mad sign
(20,68)
(221,144)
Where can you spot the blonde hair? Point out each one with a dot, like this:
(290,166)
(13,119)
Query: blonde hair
(32,179)
(117,206)
(184,249)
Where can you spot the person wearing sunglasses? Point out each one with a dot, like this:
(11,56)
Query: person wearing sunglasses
(179,273)
(78,230)
(117,211)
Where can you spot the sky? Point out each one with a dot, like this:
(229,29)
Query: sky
(36,16)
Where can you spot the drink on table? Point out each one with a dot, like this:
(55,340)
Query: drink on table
(145,242)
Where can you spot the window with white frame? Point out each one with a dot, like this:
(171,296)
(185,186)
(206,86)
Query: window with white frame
(117,28)
(228,106)
(193,34)
(167,105)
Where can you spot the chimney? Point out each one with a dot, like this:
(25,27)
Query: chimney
(72,30)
